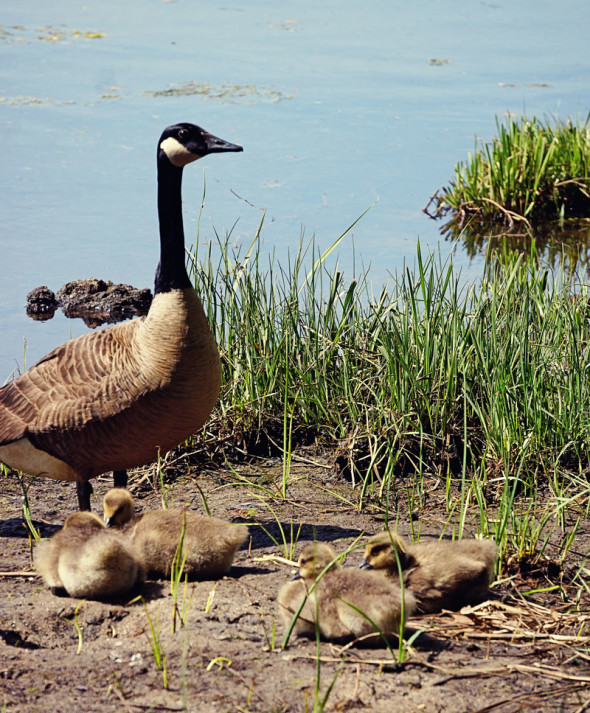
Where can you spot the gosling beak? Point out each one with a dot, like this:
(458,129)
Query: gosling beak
(365,565)
(296,576)
(108,521)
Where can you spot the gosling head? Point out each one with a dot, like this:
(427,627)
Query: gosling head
(380,551)
(83,521)
(183,143)
(314,558)
(118,507)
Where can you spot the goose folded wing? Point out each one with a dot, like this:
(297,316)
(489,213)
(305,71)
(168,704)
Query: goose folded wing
(83,380)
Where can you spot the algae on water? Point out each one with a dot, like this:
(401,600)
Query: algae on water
(224,93)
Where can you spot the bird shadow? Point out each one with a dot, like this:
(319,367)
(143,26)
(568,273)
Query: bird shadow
(381,641)
(15,638)
(266,533)
(17,527)
(148,591)
(238,571)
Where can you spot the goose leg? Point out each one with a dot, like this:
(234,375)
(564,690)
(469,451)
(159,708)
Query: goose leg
(84,491)
(120,478)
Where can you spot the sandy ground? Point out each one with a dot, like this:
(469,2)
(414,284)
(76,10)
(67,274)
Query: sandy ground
(514,652)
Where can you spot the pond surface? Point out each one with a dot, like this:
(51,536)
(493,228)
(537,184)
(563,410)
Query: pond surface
(338,104)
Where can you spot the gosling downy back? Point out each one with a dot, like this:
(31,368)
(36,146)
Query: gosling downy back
(339,596)
(88,561)
(209,543)
(116,398)
(442,574)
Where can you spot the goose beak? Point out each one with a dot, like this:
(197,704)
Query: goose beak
(365,565)
(214,144)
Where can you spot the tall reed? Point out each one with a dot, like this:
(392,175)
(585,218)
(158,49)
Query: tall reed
(430,373)
(532,170)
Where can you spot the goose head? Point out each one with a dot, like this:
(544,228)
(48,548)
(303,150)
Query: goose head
(380,552)
(314,558)
(83,520)
(184,142)
(118,507)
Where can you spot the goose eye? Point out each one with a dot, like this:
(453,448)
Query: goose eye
(183,134)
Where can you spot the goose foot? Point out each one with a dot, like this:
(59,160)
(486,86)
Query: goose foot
(84,491)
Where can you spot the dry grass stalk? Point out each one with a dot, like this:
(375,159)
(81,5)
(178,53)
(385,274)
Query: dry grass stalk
(495,620)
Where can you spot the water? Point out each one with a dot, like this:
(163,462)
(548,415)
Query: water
(340,106)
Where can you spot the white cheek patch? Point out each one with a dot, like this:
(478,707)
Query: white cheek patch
(178,155)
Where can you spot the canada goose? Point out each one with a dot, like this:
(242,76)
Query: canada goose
(337,596)
(87,560)
(209,542)
(114,399)
(441,574)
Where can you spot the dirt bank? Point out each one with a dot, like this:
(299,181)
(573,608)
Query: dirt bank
(513,653)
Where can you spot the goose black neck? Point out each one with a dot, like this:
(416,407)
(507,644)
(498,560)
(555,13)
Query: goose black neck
(171,273)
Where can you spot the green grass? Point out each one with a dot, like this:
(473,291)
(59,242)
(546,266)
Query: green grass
(533,170)
(180,609)
(485,385)
(77,626)
(155,641)
(429,374)
(32,531)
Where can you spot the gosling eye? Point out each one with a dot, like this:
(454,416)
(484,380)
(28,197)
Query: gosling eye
(183,134)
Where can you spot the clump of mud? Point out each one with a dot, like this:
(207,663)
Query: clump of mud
(93,300)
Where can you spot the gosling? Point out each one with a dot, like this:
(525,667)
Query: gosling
(334,602)
(441,574)
(87,561)
(209,543)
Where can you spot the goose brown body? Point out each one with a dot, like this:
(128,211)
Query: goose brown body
(209,543)
(75,404)
(87,560)
(442,574)
(334,602)
(114,399)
